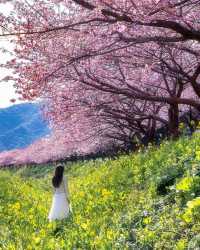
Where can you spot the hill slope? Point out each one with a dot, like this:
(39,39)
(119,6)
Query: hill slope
(148,200)
(20,125)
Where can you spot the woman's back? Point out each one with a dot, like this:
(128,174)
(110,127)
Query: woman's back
(60,189)
(63,188)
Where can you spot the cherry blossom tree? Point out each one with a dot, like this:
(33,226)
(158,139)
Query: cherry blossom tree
(114,68)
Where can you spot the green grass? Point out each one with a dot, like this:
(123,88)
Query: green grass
(148,200)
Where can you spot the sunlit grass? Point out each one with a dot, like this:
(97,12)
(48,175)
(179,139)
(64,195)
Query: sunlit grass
(116,203)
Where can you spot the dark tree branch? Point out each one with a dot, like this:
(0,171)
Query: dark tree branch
(85,4)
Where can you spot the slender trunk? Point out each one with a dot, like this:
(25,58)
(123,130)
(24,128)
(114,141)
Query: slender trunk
(173,114)
(152,130)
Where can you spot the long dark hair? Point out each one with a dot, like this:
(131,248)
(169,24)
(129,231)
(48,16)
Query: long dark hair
(58,175)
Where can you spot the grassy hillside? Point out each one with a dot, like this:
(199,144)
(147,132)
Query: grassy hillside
(148,200)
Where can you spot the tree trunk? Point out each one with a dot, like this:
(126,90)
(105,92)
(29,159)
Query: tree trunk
(173,114)
(152,131)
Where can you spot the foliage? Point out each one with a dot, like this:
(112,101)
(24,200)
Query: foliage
(115,203)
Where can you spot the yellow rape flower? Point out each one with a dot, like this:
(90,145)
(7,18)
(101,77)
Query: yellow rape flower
(81,194)
(84,225)
(147,220)
(16,206)
(110,234)
(36,240)
(193,203)
(106,192)
(184,184)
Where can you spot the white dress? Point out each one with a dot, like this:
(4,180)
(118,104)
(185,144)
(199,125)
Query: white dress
(60,205)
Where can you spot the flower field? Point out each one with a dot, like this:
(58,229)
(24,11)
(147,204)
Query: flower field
(148,200)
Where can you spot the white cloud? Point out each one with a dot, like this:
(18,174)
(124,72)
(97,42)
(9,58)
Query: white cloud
(7,91)
(6,8)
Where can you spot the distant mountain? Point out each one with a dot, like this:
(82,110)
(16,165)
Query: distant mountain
(21,125)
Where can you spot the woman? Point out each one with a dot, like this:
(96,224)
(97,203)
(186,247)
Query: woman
(60,206)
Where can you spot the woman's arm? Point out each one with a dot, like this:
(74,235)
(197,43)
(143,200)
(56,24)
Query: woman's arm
(65,181)
(66,187)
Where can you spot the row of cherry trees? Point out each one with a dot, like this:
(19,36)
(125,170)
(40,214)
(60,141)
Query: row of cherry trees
(114,69)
